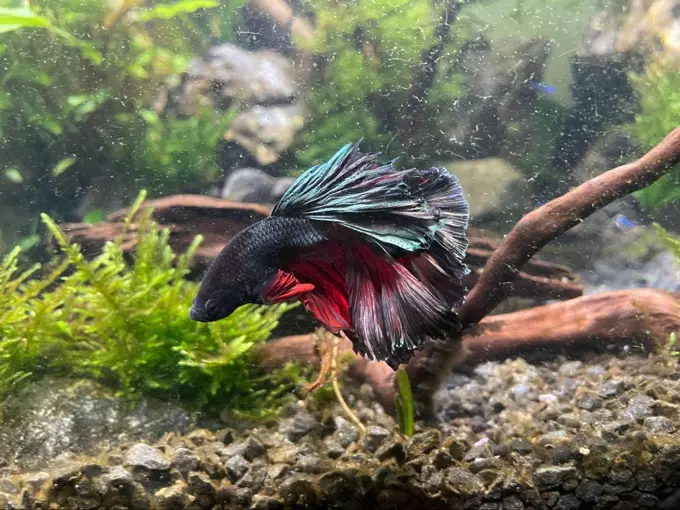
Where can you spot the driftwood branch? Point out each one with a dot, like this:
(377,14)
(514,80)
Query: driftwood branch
(548,222)
(641,318)
(431,366)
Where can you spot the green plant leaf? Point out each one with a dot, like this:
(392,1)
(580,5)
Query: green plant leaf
(14,175)
(169,11)
(21,17)
(672,242)
(62,165)
(94,216)
(125,319)
(404,403)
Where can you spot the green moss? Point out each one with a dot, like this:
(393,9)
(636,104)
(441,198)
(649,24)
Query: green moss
(659,93)
(127,323)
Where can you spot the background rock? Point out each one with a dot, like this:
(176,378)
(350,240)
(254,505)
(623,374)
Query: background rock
(254,185)
(262,83)
(230,73)
(492,188)
(266,131)
(56,416)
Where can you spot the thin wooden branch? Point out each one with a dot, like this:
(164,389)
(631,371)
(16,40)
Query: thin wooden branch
(430,367)
(548,222)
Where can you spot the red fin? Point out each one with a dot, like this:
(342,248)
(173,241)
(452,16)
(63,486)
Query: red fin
(392,310)
(285,287)
(437,275)
(324,268)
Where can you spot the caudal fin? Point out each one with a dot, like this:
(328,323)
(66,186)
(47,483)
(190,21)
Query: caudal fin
(393,312)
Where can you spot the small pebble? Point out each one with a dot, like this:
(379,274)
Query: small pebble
(619,476)
(302,424)
(640,406)
(173,497)
(553,438)
(570,368)
(553,476)
(478,424)
(659,424)
(375,436)
(185,460)
(570,484)
(490,506)
(512,503)
(521,446)
(236,467)
(547,398)
(646,482)
(249,449)
(588,491)
(199,483)
(391,450)
(612,431)
(550,498)
(561,455)
(345,432)
(648,501)
(568,502)
(570,420)
(612,388)
(143,455)
(309,464)
(499,450)
(588,401)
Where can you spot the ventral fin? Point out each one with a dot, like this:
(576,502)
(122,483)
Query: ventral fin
(285,287)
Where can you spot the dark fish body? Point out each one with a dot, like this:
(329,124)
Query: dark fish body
(251,260)
(370,250)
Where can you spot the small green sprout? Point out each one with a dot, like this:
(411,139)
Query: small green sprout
(404,403)
(673,344)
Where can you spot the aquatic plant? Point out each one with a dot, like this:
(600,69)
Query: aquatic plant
(374,53)
(673,345)
(659,91)
(126,323)
(674,244)
(671,242)
(79,83)
(403,401)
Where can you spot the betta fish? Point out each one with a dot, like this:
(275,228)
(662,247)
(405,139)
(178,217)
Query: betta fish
(375,253)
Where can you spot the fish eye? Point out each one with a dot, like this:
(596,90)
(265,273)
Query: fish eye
(211,307)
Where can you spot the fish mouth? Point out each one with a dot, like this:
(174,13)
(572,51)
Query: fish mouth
(198,315)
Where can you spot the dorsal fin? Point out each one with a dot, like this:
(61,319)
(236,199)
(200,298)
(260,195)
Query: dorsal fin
(403,209)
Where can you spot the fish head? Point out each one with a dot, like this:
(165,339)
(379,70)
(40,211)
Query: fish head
(210,306)
(229,283)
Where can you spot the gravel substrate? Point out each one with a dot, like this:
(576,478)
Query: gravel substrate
(596,434)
